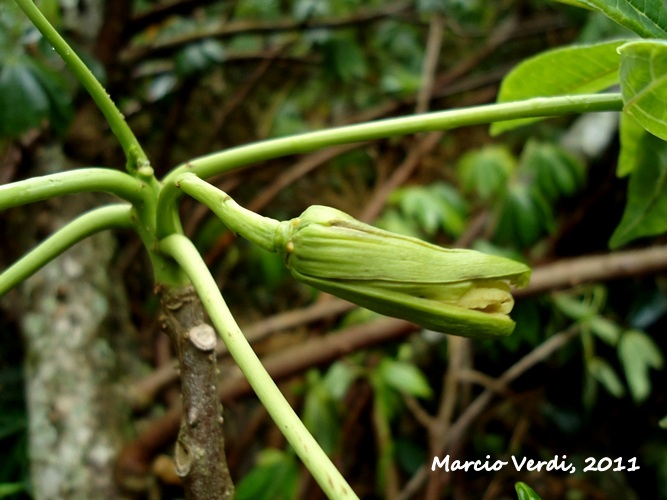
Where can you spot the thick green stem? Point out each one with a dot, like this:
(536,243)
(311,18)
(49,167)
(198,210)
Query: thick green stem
(133,151)
(218,163)
(94,221)
(317,462)
(73,181)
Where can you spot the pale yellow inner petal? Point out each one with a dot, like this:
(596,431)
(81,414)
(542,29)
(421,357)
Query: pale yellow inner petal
(490,300)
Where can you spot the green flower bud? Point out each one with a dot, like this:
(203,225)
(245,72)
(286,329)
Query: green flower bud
(456,291)
(461,292)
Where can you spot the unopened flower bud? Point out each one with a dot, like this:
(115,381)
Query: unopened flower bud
(456,291)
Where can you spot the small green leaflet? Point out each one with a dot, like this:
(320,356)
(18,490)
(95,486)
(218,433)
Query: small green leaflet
(404,377)
(486,171)
(639,353)
(603,372)
(525,492)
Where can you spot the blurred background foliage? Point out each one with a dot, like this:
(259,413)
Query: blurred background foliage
(194,77)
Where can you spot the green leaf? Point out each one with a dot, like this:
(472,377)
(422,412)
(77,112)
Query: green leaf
(571,70)
(631,134)
(525,492)
(344,58)
(523,217)
(646,207)
(430,208)
(388,401)
(199,57)
(320,417)
(338,379)
(643,79)
(23,101)
(485,171)
(398,46)
(605,329)
(419,204)
(60,103)
(575,3)
(395,221)
(274,478)
(638,354)
(605,374)
(573,307)
(404,377)
(400,80)
(647,18)
(556,172)
(453,208)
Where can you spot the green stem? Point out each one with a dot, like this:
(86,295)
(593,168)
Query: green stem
(317,462)
(71,182)
(94,221)
(218,163)
(241,221)
(133,151)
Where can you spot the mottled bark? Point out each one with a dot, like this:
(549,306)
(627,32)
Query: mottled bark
(75,326)
(200,452)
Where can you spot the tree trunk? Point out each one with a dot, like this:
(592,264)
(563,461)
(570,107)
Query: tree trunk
(76,329)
